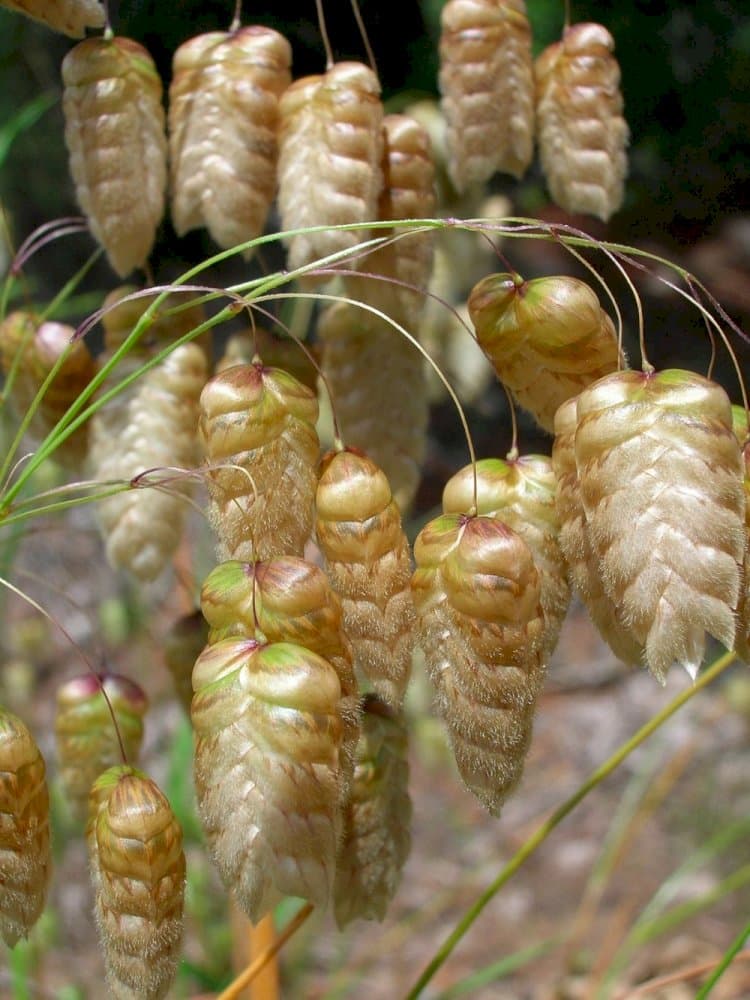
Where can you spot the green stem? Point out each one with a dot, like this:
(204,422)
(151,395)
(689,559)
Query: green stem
(731,952)
(541,834)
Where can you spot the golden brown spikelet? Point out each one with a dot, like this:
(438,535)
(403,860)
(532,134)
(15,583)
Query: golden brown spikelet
(86,738)
(69,17)
(521,493)
(487,86)
(223,124)
(547,338)
(408,193)
(660,474)
(114,131)
(257,425)
(377,818)
(477,594)
(25,862)
(183,645)
(582,134)
(742,645)
(140,887)
(35,347)
(330,153)
(268,770)
(379,390)
(583,568)
(358,528)
(98,798)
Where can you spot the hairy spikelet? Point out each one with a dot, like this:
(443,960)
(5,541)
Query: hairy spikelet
(329,158)
(30,349)
(408,193)
(377,818)
(660,473)
(267,769)
(183,644)
(583,568)
(86,738)
(477,594)
(114,131)
(742,645)
(547,338)
(69,17)
(287,599)
(151,426)
(582,134)
(98,798)
(223,124)
(358,528)
(521,493)
(139,885)
(274,352)
(25,863)
(487,85)
(257,425)
(379,391)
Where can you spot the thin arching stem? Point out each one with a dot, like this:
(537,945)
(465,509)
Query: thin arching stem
(324,33)
(237,18)
(365,38)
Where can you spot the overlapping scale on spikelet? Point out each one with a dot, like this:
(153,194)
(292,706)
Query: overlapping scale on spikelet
(114,131)
(477,594)
(69,17)
(582,133)
(583,567)
(521,493)
(34,348)
(25,863)
(257,425)
(377,818)
(547,338)
(98,798)
(86,738)
(139,887)
(287,599)
(660,474)
(331,147)
(268,769)
(358,528)
(183,645)
(152,425)
(742,645)
(371,371)
(223,125)
(275,352)
(487,85)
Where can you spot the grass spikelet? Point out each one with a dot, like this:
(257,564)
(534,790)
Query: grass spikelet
(68,17)
(487,85)
(25,862)
(223,124)
(739,420)
(267,769)
(582,133)
(275,352)
(477,594)
(114,131)
(358,528)
(547,338)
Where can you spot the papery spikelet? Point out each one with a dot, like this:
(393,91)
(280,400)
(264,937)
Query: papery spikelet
(267,769)
(183,645)
(379,390)
(742,645)
(521,493)
(223,124)
(25,863)
(329,161)
(582,134)
(583,568)
(660,474)
(114,131)
(35,347)
(140,886)
(547,338)
(287,599)
(98,797)
(358,528)
(86,737)
(477,594)
(377,818)
(69,17)
(408,193)
(258,429)
(487,86)
(274,352)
